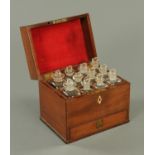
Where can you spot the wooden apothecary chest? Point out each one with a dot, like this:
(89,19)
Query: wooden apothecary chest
(69,41)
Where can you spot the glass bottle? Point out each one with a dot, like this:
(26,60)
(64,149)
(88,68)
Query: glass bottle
(77,77)
(58,76)
(112,75)
(99,80)
(69,85)
(103,69)
(69,71)
(91,73)
(86,84)
(83,68)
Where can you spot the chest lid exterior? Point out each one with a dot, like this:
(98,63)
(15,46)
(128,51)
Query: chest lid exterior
(56,44)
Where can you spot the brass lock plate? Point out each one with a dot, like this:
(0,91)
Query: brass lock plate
(99,123)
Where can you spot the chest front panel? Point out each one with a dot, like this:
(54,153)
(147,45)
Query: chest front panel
(90,107)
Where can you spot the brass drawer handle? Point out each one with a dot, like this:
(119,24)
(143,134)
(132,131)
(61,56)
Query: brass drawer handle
(99,100)
(99,123)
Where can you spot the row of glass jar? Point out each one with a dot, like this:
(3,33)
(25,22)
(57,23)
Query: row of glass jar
(87,72)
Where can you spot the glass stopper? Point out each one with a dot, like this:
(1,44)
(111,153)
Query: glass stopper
(69,71)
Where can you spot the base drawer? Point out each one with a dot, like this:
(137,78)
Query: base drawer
(98,125)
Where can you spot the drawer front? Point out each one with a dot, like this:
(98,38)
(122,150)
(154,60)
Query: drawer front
(93,106)
(98,125)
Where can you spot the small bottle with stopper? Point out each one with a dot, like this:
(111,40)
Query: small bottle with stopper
(77,77)
(112,75)
(91,73)
(99,81)
(103,69)
(58,78)
(83,68)
(70,88)
(86,84)
(69,71)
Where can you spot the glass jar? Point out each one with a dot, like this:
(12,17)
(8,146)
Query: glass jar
(58,76)
(83,68)
(69,71)
(69,85)
(112,75)
(99,80)
(103,69)
(77,77)
(91,73)
(86,84)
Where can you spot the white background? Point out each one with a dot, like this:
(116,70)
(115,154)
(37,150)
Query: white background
(4,77)
(149,68)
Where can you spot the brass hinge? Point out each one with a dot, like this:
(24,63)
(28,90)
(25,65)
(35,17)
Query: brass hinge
(59,21)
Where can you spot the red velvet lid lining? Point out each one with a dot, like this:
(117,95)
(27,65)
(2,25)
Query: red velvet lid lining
(59,45)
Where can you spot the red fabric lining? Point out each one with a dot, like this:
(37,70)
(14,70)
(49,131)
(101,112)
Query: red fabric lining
(60,45)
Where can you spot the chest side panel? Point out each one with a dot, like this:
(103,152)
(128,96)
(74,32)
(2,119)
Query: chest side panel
(53,110)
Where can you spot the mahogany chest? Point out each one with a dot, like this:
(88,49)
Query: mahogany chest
(69,41)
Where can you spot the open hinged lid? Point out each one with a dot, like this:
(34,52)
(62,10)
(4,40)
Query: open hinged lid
(56,44)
